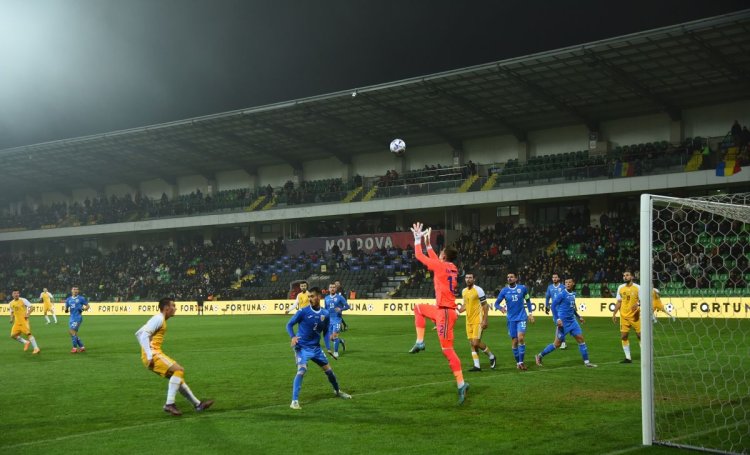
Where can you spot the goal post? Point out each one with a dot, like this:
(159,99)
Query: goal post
(695,369)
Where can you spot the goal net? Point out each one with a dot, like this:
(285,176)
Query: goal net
(696,366)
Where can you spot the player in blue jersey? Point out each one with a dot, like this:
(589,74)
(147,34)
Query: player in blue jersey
(515,295)
(564,306)
(312,322)
(336,304)
(76,305)
(553,289)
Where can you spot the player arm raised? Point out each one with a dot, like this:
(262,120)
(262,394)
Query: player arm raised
(430,252)
(431,263)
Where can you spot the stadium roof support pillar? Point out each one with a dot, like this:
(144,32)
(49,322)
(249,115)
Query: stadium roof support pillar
(676,131)
(346,172)
(523,151)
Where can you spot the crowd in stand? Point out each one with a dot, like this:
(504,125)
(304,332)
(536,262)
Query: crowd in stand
(146,272)
(232,266)
(740,137)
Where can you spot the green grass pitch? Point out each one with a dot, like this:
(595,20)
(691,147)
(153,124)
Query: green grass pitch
(105,401)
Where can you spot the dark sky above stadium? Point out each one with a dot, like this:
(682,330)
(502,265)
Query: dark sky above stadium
(70,68)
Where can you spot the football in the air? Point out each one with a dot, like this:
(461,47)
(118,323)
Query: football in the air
(398,147)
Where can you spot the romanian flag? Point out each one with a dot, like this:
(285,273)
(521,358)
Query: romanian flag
(625,169)
(727,168)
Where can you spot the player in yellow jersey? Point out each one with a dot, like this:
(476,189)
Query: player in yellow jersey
(303,298)
(629,306)
(46,298)
(658,305)
(476,308)
(20,309)
(151,336)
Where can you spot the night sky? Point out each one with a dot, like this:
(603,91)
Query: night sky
(70,68)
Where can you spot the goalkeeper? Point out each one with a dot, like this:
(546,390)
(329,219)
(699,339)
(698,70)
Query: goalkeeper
(444,314)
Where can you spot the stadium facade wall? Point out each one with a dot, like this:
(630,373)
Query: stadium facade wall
(637,130)
(715,120)
(712,307)
(232,180)
(558,140)
(495,149)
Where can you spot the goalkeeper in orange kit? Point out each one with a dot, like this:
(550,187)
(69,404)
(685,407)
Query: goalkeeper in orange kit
(445,276)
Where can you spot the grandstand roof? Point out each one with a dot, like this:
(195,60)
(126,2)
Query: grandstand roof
(664,70)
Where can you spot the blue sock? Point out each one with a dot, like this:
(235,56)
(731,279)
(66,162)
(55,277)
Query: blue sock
(550,347)
(515,354)
(78,340)
(73,340)
(332,380)
(297,385)
(521,352)
(336,345)
(584,351)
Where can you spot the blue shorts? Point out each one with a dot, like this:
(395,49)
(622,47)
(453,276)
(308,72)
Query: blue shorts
(75,325)
(302,355)
(335,326)
(570,327)
(516,327)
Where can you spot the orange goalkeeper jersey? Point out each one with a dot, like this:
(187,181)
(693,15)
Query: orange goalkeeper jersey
(445,277)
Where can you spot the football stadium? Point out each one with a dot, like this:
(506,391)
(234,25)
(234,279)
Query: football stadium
(553,246)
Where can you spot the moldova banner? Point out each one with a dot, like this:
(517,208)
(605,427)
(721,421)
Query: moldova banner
(346,243)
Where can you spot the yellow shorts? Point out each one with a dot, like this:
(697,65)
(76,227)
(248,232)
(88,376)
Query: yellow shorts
(630,323)
(47,307)
(474,331)
(21,327)
(162,363)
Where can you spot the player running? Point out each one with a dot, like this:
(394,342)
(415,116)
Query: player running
(20,309)
(565,314)
(476,308)
(629,306)
(312,321)
(553,289)
(514,295)
(46,298)
(336,304)
(150,337)
(76,305)
(444,313)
